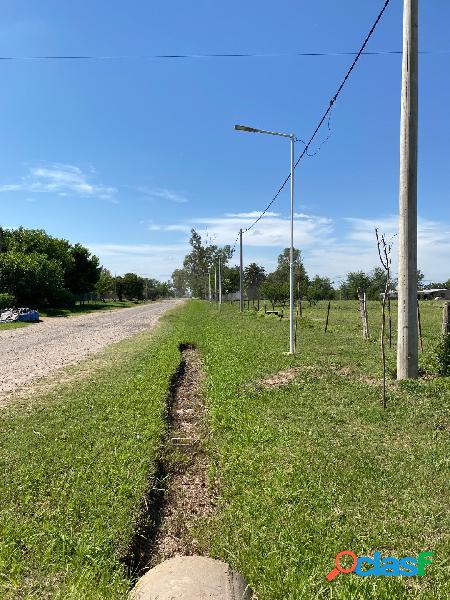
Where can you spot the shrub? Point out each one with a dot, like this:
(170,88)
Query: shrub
(31,278)
(7,300)
(437,361)
(275,292)
(61,298)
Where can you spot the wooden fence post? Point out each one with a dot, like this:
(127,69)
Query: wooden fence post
(445,318)
(328,314)
(419,323)
(363,313)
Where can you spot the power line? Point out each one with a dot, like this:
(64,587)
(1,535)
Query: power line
(87,57)
(325,115)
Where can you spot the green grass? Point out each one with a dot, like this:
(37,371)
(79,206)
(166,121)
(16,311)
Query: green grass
(74,465)
(304,470)
(86,308)
(13,325)
(316,466)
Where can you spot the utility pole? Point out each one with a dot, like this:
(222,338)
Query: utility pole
(220,286)
(407,344)
(215,283)
(291,257)
(292,138)
(241,275)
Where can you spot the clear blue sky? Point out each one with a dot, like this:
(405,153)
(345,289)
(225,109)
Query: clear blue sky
(127,154)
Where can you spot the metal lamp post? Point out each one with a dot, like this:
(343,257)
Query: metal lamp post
(291,136)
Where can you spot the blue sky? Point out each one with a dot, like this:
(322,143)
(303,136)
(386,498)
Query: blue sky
(127,154)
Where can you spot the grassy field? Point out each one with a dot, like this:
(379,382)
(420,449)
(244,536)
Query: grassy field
(13,325)
(315,467)
(74,465)
(86,308)
(305,469)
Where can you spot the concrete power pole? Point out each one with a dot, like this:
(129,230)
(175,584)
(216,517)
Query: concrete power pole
(241,275)
(220,285)
(407,344)
(215,284)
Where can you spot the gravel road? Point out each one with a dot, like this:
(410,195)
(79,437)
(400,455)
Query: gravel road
(32,352)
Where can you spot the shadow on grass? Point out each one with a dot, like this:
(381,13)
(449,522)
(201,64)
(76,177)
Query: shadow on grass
(85,308)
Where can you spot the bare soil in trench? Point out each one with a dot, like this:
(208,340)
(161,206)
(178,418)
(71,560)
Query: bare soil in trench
(181,493)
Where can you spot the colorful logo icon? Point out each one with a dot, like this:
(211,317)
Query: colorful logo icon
(388,566)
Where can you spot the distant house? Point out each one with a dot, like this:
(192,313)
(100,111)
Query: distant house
(436,294)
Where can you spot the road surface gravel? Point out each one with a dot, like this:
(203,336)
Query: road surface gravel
(30,353)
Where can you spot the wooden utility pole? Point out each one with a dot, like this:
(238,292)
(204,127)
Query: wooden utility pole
(241,274)
(407,346)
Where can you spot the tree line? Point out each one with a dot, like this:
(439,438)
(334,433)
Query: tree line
(200,266)
(39,270)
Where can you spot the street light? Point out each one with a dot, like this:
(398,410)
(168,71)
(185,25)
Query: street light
(291,136)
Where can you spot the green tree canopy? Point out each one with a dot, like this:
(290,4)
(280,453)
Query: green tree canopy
(71,268)
(131,286)
(230,280)
(281,273)
(180,282)
(31,278)
(320,288)
(201,260)
(254,276)
(105,284)
(84,272)
(355,280)
(276,292)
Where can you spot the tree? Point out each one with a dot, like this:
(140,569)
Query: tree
(281,273)
(436,285)
(105,284)
(79,269)
(180,282)
(165,289)
(230,280)
(200,261)
(320,288)
(276,292)
(132,286)
(356,280)
(32,278)
(420,278)
(84,272)
(37,241)
(254,276)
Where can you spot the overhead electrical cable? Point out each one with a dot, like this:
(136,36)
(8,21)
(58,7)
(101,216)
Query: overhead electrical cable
(324,116)
(212,55)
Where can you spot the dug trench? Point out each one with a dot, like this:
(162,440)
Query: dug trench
(179,493)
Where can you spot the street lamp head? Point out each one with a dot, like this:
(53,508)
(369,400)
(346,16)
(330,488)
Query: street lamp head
(245,128)
(254,130)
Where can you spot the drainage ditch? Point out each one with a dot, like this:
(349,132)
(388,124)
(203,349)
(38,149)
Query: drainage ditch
(179,492)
